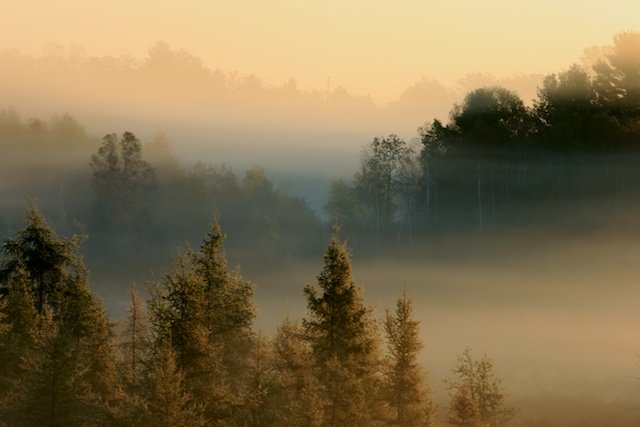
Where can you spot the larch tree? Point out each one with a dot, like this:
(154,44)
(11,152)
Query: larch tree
(344,342)
(167,400)
(295,393)
(464,410)
(405,385)
(48,259)
(205,313)
(67,371)
(476,377)
(134,344)
(179,321)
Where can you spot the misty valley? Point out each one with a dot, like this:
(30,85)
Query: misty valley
(482,272)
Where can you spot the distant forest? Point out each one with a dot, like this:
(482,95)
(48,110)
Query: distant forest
(566,159)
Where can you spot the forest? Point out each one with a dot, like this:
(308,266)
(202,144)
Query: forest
(187,348)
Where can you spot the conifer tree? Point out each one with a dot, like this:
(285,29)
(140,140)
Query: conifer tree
(49,260)
(229,308)
(476,378)
(204,312)
(464,410)
(65,371)
(405,387)
(342,336)
(180,322)
(295,394)
(135,344)
(167,401)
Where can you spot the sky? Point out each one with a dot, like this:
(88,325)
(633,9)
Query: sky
(368,46)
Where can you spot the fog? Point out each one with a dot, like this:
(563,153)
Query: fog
(548,288)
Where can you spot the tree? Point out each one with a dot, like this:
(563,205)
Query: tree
(342,336)
(491,116)
(49,260)
(377,182)
(205,314)
(295,394)
(135,342)
(617,79)
(167,402)
(179,319)
(464,410)
(61,339)
(121,179)
(405,384)
(228,306)
(475,380)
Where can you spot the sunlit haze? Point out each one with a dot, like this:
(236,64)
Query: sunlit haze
(369,47)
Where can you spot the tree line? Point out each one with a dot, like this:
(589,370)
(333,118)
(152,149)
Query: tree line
(190,354)
(498,160)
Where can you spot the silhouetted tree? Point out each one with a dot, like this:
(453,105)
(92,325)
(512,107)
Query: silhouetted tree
(122,179)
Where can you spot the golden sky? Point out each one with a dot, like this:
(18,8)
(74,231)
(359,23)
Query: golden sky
(368,46)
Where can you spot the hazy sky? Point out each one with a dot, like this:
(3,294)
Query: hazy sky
(368,46)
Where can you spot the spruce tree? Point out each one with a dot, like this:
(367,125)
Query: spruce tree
(405,387)
(343,340)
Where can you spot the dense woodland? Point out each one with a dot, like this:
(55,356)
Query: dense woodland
(190,353)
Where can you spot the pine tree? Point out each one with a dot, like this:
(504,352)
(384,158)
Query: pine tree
(405,383)
(342,336)
(484,388)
